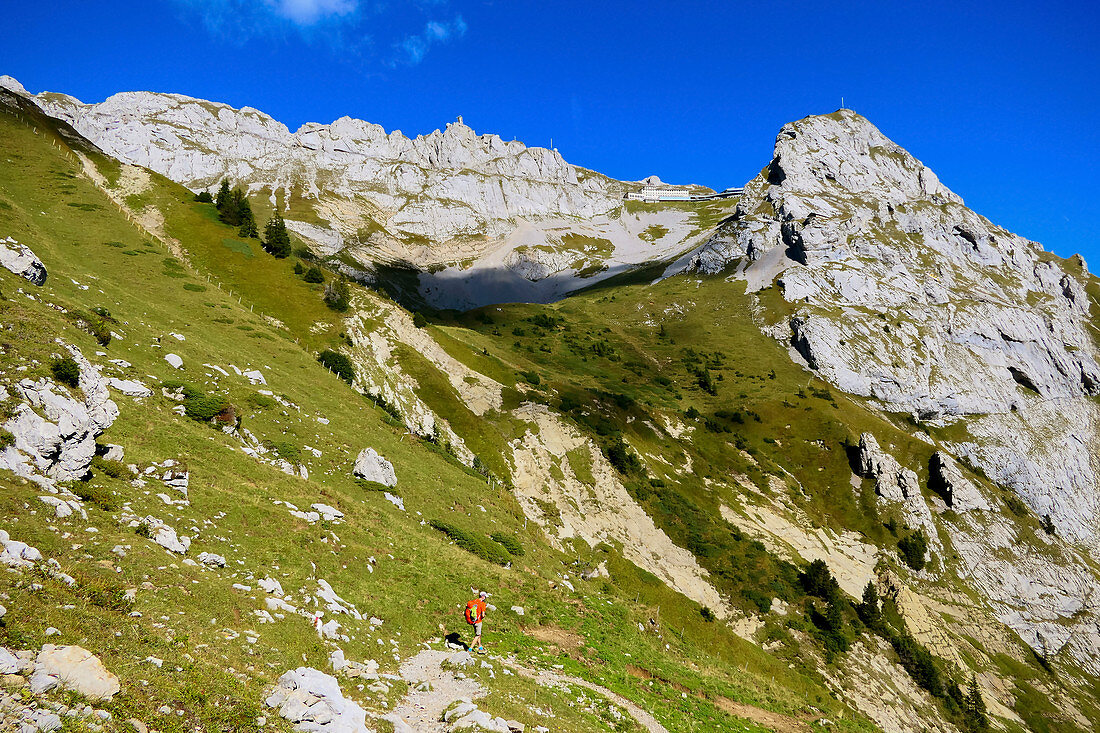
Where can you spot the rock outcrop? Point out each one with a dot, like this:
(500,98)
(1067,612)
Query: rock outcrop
(946,478)
(22,261)
(54,431)
(76,669)
(896,485)
(373,467)
(313,701)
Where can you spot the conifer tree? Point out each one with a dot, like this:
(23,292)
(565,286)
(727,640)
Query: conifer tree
(276,240)
(975,717)
(868,609)
(222,197)
(246,219)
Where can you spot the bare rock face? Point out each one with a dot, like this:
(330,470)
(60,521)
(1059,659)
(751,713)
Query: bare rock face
(902,294)
(947,478)
(22,261)
(447,184)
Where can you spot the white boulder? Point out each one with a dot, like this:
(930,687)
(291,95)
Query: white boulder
(373,467)
(19,259)
(77,669)
(312,701)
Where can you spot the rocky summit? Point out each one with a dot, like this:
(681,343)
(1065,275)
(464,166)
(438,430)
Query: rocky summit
(818,454)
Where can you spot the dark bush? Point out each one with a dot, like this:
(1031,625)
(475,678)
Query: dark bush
(419,320)
(510,543)
(472,543)
(298,269)
(913,549)
(338,295)
(6,439)
(66,370)
(204,197)
(532,377)
(338,363)
(705,612)
(868,609)
(619,455)
(314,275)
(98,495)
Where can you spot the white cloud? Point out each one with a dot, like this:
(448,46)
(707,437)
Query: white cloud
(416,46)
(308,12)
(354,29)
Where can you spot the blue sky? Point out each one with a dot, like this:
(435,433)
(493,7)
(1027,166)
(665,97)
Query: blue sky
(1000,98)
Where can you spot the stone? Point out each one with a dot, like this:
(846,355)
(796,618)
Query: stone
(138,726)
(270,585)
(254,376)
(41,683)
(19,259)
(312,701)
(174,360)
(373,467)
(328,513)
(77,669)
(9,663)
(166,536)
(60,445)
(112,452)
(209,558)
(129,387)
(337,661)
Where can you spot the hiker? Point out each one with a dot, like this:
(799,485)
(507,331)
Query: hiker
(475,614)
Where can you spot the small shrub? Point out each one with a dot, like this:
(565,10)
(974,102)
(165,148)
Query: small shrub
(707,614)
(1016,505)
(1048,524)
(284,449)
(204,197)
(338,363)
(314,275)
(6,439)
(419,320)
(202,407)
(818,581)
(66,370)
(531,377)
(261,401)
(114,469)
(298,269)
(472,543)
(510,543)
(98,495)
(143,530)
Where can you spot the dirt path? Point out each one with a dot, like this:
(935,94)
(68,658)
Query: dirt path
(423,710)
(644,719)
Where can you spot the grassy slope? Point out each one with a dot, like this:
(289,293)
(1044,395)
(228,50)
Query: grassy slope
(190,616)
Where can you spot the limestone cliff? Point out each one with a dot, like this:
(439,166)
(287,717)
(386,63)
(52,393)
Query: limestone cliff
(892,289)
